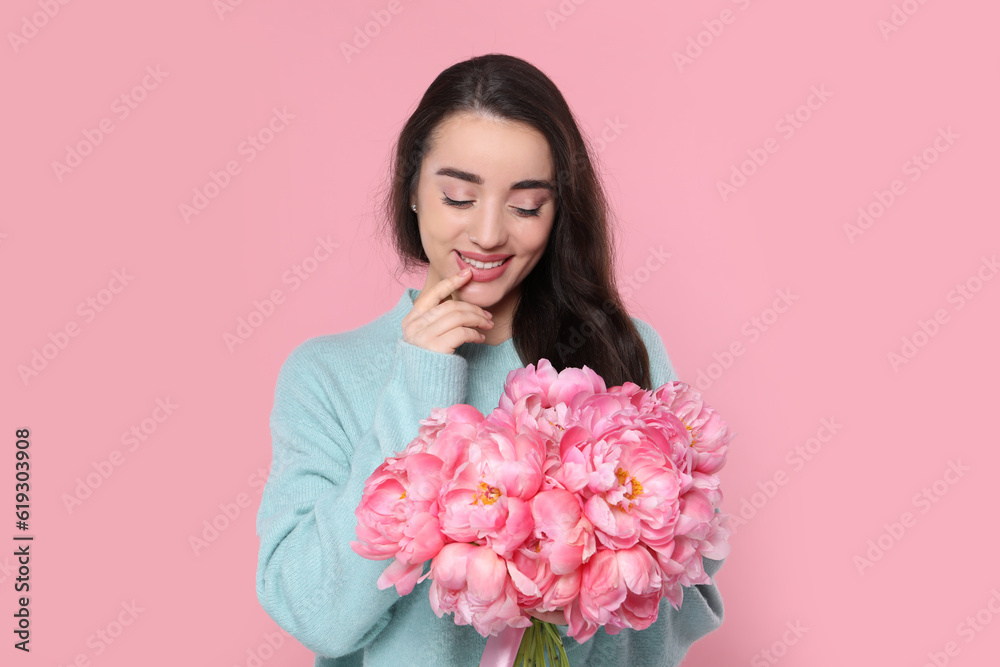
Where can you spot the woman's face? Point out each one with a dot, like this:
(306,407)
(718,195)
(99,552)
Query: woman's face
(485,191)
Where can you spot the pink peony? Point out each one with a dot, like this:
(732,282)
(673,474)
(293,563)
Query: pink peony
(397,517)
(472,582)
(448,435)
(551,387)
(641,574)
(532,379)
(716,543)
(632,485)
(569,496)
(531,577)
(602,590)
(563,536)
(710,433)
(487,498)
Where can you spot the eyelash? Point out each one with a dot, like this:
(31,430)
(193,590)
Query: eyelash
(524,212)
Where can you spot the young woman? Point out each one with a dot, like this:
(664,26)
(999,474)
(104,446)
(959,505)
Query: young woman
(494,192)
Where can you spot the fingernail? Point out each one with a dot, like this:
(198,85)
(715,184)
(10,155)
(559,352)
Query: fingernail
(465,272)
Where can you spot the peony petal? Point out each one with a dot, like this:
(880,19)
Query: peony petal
(487,574)
(401,575)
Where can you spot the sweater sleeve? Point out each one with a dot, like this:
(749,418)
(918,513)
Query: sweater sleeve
(308,579)
(701,610)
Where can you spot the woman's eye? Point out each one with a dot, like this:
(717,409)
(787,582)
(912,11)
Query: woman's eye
(451,202)
(523,212)
(528,212)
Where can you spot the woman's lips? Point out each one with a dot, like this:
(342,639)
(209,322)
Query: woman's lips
(481,275)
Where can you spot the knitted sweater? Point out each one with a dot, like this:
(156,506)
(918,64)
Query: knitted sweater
(345,401)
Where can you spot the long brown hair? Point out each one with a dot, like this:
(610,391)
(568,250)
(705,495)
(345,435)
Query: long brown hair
(569,311)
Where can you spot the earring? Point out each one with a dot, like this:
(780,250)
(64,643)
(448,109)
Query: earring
(414,207)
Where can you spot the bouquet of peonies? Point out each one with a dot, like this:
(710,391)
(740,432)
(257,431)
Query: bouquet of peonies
(569,497)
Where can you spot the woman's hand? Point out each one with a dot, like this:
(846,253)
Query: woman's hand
(441,324)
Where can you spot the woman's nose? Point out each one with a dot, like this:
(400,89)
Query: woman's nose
(487,227)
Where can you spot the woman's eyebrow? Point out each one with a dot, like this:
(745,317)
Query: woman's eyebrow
(528,184)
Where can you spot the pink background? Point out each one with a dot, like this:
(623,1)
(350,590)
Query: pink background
(817,550)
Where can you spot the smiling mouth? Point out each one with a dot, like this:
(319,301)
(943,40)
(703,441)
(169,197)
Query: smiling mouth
(482,265)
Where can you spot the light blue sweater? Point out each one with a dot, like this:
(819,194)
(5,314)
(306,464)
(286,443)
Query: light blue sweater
(343,402)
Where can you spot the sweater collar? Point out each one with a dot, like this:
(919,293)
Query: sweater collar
(477,354)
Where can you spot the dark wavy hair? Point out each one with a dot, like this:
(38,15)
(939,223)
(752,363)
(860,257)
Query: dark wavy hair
(569,310)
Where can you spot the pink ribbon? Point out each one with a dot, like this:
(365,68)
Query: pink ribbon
(501,649)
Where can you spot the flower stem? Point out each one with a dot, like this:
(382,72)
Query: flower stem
(540,642)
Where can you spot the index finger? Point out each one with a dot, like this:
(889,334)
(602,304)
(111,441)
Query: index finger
(440,291)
